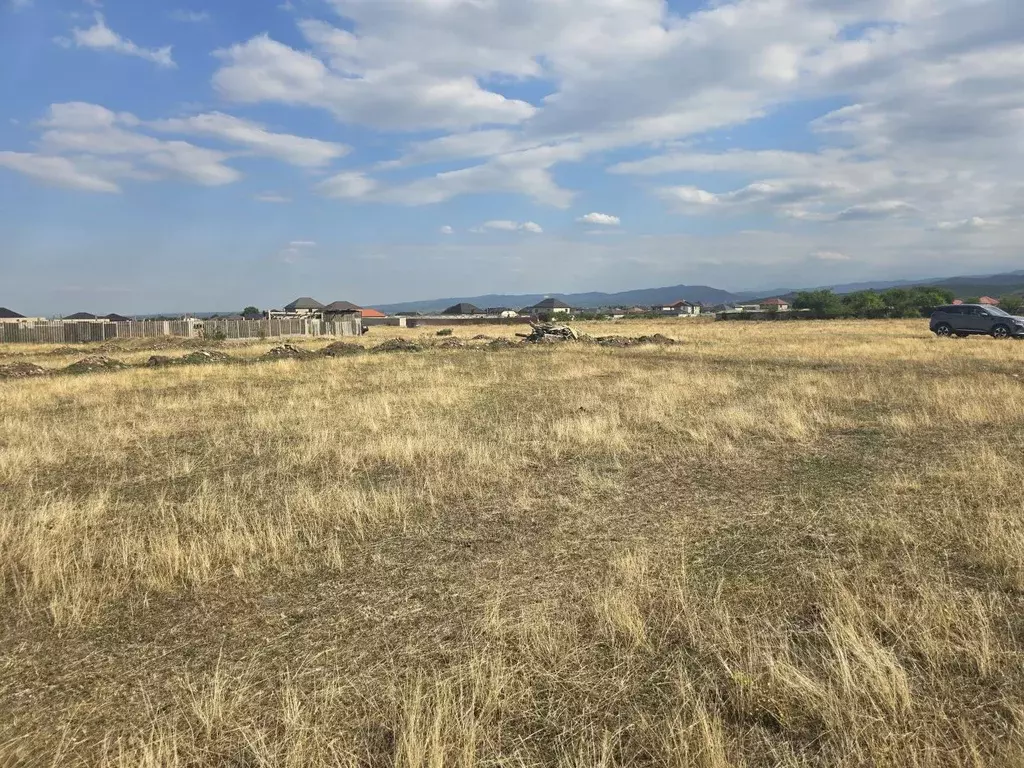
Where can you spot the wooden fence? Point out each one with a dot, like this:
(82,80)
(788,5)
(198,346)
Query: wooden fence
(68,332)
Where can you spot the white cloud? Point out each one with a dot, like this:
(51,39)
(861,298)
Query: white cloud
(505,225)
(447,230)
(824,255)
(272,197)
(348,185)
(101,37)
(302,244)
(601,219)
(56,171)
(297,150)
(90,147)
(883,209)
(392,97)
(975,223)
(18,5)
(189,17)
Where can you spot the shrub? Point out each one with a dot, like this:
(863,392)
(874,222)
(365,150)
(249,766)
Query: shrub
(445,332)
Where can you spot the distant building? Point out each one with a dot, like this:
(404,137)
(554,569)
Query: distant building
(775,305)
(304,305)
(501,312)
(83,317)
(681,307)
(989,300)
(373,314)
(116,318)
(551,306)
(957,302)
(341,307)
(462,308)
(12,317)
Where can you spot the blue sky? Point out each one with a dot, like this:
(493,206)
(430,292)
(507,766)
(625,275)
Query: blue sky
(201,155)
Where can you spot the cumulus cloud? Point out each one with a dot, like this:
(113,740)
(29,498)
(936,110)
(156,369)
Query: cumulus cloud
(601,219)
(825,255)
(349,185)
(101,37)
(506,225)
(89,147)
(272,197)
(447,230)
(297,150)
(56,171)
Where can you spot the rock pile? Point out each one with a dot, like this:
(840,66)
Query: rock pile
(549,333)
(95,363)
(21,371)
(452,342)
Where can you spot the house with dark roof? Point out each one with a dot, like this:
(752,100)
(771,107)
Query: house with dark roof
(83,317)
(338,307)
(10,314)
(550,305)
(116,318)
(462,308)
(681,307)
(304,305)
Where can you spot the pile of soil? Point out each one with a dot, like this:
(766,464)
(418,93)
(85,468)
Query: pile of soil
(21,371)
(398,345)
(501,343)
(64,351)
(159,361)
(286,352)
(203,356)
(341,349)
(452,342)
(95,363)
(633,341)
(481,337)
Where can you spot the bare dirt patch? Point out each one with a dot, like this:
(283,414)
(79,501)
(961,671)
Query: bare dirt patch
(342,349)
(21,371)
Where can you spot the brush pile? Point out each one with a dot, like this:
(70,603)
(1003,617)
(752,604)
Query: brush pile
(549,333)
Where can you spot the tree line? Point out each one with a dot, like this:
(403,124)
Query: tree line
(918,301)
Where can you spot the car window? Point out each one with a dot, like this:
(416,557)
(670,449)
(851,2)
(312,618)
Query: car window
(952,310)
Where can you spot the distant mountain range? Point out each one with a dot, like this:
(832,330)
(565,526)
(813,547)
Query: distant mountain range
(974,285)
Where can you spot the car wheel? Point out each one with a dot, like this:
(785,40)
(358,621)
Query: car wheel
(1001,332)
(944,329)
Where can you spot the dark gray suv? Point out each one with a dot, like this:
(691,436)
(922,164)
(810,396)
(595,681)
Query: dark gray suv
(966,319)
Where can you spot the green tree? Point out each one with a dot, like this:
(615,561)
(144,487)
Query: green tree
(864,304)
(250,310)
(1011,303)
(823,303)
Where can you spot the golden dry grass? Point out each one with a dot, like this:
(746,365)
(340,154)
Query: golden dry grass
(774,545)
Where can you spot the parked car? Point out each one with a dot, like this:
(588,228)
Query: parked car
(966,319)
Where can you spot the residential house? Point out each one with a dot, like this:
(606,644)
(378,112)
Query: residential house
(10,316)
(681,307)
(501,312)
(989,301)
(748,307)
(304,305)
(775,305)
(373,314)
(462,308)
(116,318)
(551,306)
(84,317)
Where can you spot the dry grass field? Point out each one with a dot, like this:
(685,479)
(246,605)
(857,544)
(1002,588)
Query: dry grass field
(772,545)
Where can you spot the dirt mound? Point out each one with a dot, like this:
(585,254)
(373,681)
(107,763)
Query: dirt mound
(341,349)
(482,337)
(398,345)
(203,356)
(64,351)
(159,361)
(286,352)
(452,342)
(95,363)
(633,341)
(501,343)
(21,371)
